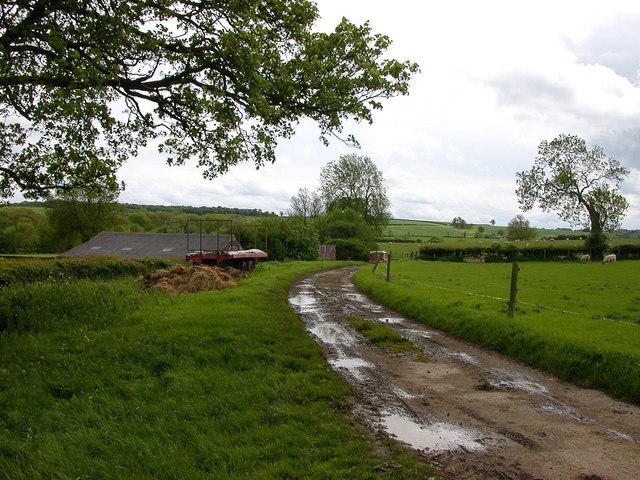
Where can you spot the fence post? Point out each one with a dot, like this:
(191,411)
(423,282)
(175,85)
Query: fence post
(389,266)
(514,289)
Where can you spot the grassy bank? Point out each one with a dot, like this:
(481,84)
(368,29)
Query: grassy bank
(578,321)
(134,384)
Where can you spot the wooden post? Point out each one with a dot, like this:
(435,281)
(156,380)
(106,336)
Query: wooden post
(388,266)
(514,289)
(378,258)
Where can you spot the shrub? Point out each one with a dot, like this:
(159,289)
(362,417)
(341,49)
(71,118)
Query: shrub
(350,249)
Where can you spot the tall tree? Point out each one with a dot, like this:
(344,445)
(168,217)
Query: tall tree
(76,216)
(581,184)
(459,222)
(355,182)
(520,229)
(218,82)
(306,204)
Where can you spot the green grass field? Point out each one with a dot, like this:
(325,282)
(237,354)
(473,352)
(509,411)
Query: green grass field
(102,380)
(418,230)
(580,321)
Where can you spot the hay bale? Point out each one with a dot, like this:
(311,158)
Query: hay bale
(197,278)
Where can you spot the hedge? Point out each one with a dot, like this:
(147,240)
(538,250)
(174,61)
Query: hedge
(506,252)
(26,271)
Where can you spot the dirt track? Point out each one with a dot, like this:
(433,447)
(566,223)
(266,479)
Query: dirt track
(475,413)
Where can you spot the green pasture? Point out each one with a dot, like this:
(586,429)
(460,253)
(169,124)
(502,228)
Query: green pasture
(418,230)
(99,379)
(580,321)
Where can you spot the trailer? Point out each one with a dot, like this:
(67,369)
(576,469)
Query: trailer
(245,260)
(223,250)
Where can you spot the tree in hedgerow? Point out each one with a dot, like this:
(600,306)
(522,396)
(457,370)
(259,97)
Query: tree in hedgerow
(354,182)
(520,229)
(581,184)
(290,239)
(306,204)
(85,84)
(354,238)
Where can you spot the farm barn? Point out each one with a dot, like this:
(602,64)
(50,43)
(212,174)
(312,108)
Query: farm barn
(150,245)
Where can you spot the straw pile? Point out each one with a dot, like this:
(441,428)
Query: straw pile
(198,278)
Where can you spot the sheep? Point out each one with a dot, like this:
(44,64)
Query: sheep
(609,258)
(586,257)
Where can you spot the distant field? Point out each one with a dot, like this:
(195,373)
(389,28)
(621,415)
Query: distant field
(424,230)
(580,321)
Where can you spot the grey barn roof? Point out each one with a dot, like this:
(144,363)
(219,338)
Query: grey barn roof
(147,245)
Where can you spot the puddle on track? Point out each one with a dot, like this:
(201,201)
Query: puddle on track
(402,394)
(510,382)
(333,334)
(391,320)
(619,435)
(305,302)
(562,410)
(435,438)
(352,365)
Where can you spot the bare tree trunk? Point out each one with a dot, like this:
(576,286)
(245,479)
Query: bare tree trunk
(597,242)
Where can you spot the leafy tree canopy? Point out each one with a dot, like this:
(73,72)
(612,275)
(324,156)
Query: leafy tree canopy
(76,216)
(459,222)
(306,204)
(520,229)
(85,84)
(581,184)
(355,182)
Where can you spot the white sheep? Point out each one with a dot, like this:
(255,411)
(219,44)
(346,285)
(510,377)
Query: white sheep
(609,258)
(586,257)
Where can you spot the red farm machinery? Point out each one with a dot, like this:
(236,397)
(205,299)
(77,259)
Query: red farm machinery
(220,249)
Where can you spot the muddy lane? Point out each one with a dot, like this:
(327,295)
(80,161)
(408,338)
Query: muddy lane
(475,413)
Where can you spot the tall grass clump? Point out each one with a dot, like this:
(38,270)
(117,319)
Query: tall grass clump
(564,321)
(61,306)
(223,384)
(383,336)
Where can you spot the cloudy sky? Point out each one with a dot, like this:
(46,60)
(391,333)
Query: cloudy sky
(497,78)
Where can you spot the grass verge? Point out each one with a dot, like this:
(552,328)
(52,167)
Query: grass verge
(383,336)
(223,385)
(563,324)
